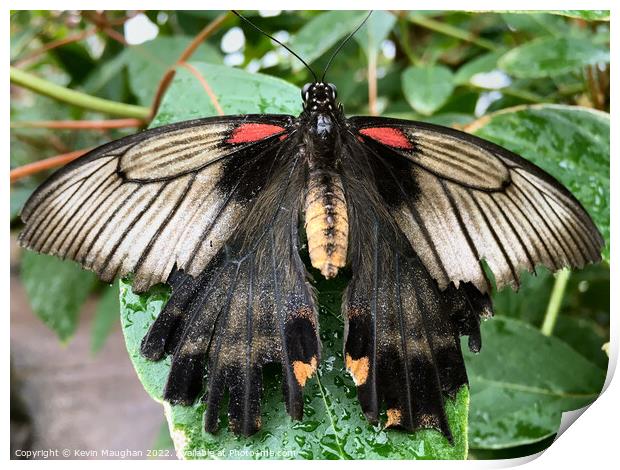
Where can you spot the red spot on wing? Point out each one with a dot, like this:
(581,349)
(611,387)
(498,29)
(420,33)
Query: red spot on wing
(389,136)
(252,132)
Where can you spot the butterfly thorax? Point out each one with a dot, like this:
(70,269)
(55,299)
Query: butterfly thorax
(326,219)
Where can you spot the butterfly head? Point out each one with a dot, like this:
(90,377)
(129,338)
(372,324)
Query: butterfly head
(319,97)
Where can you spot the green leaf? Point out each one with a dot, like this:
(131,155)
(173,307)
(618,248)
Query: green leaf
(521,383)
(56,290)
(530,302)
(585,337)
(481,64)
(19,196)
(376,29)
(106,316)
(427,88)
(590,15)
(147,63)
(569,142)
(236,92)
(333,425)
(550,57)
(322,33)
(537,23)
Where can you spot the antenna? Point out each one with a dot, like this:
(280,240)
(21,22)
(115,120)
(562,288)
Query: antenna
(343,43)
(275,40)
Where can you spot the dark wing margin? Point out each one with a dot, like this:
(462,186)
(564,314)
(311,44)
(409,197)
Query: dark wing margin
(145,203)
(474,200)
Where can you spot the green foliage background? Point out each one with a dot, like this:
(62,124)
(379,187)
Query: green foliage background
(535,83)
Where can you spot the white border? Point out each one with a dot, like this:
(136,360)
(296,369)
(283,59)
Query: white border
(590,443)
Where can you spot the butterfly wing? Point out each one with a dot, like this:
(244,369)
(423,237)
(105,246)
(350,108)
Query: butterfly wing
(211,207)
(251,306)
(145,203)
(465,199)
(426,205)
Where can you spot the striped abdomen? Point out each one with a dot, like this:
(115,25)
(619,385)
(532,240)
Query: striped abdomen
(327,224)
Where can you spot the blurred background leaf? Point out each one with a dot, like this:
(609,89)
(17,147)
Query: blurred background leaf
(56,289)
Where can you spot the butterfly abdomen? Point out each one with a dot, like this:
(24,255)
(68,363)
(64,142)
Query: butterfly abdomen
(327,224)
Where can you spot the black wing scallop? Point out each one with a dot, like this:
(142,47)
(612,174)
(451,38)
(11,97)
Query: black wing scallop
(426,205)
(211,207)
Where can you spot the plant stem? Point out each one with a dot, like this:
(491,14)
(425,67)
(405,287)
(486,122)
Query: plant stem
(47,164)
(449,30)
(38,85)
(165,81)
(94,125)
(555,301)
(372,82)
(54,44)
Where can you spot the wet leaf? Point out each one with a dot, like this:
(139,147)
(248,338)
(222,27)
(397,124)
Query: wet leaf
(569,142)
(427,88)
(550,57)
(585,337)
(56,290)
(333,426)
(521,383)
(236,92)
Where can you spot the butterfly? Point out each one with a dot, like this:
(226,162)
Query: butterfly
(220,208)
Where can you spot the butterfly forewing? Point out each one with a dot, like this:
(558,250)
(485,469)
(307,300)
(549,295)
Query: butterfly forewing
(475,200)
(148,202)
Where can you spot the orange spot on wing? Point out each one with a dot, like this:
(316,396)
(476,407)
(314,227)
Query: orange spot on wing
(389,136)
(358,369)
(252,132)
(393,417)
(303,371)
